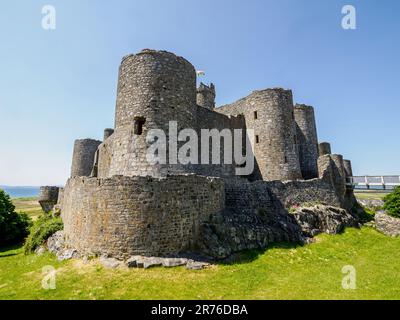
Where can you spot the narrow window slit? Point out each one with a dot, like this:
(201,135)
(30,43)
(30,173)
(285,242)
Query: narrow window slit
(138,125)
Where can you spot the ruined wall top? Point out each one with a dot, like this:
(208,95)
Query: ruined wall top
(206,96)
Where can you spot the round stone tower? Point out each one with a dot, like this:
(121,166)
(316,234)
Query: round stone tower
(275,129)
(157,86)
(206,96)
(154,89)
(107,133)
(307,140)
(83,157)
(324,148)
(348,168)
(48,197)
(339,174)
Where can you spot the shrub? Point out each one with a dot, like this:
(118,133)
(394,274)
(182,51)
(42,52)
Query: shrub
(14,227)
(42,229)
(392,203)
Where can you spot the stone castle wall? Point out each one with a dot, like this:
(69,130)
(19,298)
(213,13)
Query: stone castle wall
(307,140)
(206,96)
(324,148)
(130,206)
(83,157)
(124,216)
(348,168)
(48,197)
(154,88)
(207,119)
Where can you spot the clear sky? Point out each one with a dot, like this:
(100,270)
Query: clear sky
(59,85)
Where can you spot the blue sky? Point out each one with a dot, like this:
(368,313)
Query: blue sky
(56,86)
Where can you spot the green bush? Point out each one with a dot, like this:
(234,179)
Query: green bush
(14,227)
(42,229)
(392,203)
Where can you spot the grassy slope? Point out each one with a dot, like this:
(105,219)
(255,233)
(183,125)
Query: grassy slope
(370,195)
(28,205)
(282,272)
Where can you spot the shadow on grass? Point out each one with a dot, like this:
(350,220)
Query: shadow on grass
(248,256)
(7,255)
(9,248)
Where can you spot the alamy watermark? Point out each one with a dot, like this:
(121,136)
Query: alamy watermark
(49,278)
(235,141)
(349,20)
(49,17)
(349,281)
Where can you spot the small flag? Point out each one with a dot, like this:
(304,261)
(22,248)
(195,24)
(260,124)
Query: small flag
(200,73)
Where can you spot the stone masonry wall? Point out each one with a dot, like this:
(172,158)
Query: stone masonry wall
(324,148)
(307,140)
(207,119)
(154,88)
(257,214)
(48,197)
(124,216)
(270,113)
(83,157)
(206,96)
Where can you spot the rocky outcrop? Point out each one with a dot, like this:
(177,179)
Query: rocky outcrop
(56,242)
(56,245)
(233,231)
(323,219)
(149,262)
(371,203)
(387,224)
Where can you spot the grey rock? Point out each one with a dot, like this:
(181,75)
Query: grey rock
(196,265)
(144,262)
(148,262)
(152,262)
(318,219)
(371,203)
(132,262)
(387,224)
(56,242)
(40,251)
(68,254)
(110,263)
(174,262)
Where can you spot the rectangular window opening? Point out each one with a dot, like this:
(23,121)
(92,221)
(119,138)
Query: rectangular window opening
(138,125)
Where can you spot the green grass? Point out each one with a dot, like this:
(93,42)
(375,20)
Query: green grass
(28,205)
(370,195)
(281,272)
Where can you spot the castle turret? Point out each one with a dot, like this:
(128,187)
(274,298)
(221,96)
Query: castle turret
(276,142)
(324,148)
(348,168)
(48,197)
(270,114)
(206,96)
(307,140)
(157,87)
(83,157)
(340,174)
(107,133)
(154,89)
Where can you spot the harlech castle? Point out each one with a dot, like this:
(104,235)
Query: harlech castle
(118,204)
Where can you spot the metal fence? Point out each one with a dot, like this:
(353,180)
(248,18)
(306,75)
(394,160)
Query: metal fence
(373,182)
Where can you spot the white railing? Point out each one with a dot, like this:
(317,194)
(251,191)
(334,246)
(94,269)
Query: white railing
(373,182)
